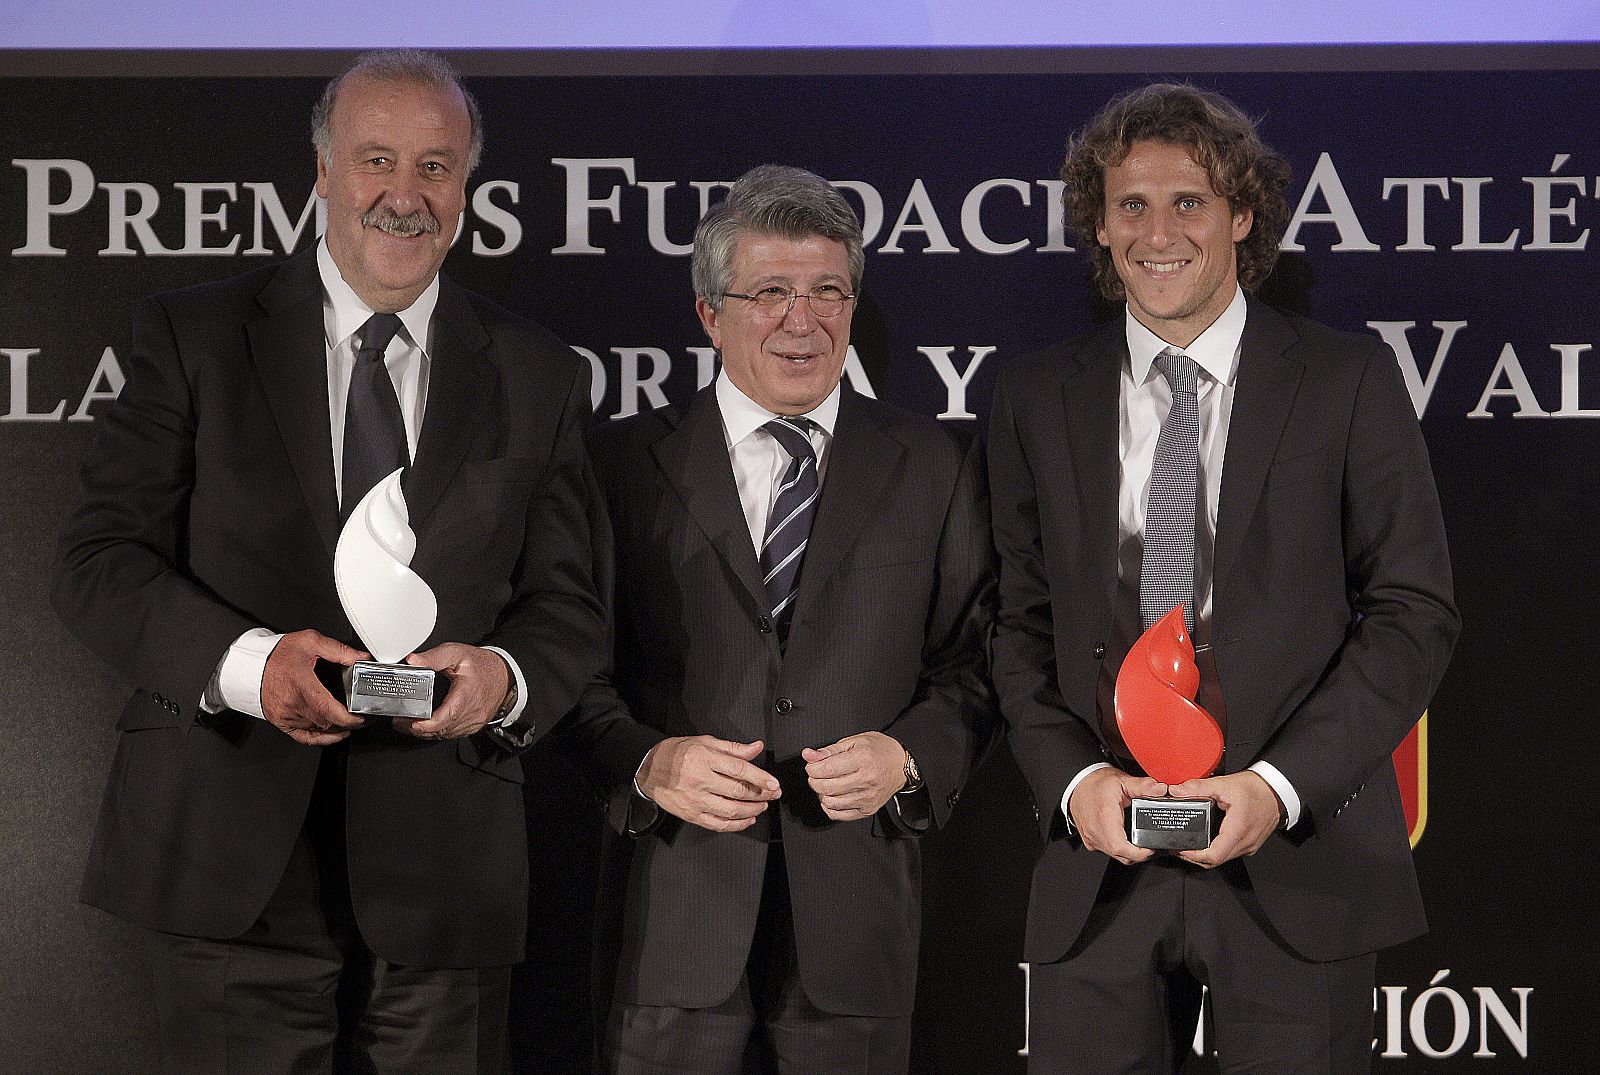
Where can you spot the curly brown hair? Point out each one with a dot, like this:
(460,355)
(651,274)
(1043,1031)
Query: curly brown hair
(1242,167)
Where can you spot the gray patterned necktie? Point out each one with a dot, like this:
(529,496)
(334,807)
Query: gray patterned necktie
(1167,575)
(789,527)
(374,431)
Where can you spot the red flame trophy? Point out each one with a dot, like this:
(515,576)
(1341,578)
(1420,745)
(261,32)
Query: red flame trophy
(1170,736)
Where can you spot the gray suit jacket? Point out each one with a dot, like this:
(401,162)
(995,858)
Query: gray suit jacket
(889,633)
(1333,615)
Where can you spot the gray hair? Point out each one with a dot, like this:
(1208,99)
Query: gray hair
(396,65)
(771,199)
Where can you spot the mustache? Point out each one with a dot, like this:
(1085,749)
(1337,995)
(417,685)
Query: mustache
(410,225)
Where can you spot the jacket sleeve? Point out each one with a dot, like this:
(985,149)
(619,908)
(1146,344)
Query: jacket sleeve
(1051,743)
(555,624)
(952,720)
(1405,623)
(119,581)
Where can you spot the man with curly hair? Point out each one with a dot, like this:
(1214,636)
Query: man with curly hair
(1267,473)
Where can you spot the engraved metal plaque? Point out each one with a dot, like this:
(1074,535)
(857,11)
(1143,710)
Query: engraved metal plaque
(1172,824)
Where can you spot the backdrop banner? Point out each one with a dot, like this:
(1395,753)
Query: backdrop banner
(1453,213)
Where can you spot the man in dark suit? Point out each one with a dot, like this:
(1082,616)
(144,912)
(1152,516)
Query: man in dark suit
(279,851)
(803,581)
(1312,556)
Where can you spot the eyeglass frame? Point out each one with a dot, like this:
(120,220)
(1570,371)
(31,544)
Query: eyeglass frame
(794,296)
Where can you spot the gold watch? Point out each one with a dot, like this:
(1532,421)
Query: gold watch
(913,776)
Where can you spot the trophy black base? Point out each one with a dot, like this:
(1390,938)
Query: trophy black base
(373,689)
(1172,824)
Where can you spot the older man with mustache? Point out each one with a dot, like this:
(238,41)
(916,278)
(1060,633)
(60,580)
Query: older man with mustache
(317,889)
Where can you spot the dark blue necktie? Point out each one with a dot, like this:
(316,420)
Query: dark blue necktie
(374,431)
(1167,574)
(789,526)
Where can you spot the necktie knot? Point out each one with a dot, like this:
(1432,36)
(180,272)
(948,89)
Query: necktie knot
(376,333)
(793,435)
(1180,371)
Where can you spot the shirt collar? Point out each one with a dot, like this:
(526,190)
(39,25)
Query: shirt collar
(1215,351)
(345,313)
(742,415)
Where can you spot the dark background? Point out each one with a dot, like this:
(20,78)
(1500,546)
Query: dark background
(1505,856)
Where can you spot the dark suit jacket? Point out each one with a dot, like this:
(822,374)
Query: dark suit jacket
(888,634)
(1333,615)
(209,508)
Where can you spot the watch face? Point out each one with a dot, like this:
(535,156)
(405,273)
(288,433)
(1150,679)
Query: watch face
(913,776)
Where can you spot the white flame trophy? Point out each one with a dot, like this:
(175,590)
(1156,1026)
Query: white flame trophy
(389,605)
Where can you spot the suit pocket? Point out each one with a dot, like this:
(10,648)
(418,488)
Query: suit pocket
(495,487)
(869,555)
(1318,463)
(144,712)
(509,469)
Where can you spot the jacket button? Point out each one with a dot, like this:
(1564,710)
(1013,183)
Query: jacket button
(784,705)
(1099,650)
(764,625)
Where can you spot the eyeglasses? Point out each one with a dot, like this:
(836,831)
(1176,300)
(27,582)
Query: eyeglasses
(826,301)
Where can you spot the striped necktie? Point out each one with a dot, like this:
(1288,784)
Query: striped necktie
(789,526)
(1167,574)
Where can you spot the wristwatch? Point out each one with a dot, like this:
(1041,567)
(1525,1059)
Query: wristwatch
(913,776)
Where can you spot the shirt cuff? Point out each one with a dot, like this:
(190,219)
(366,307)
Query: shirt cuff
(1066,796)
(522,687)
(913,809)
(236,684)
(636,789)
(1285,790)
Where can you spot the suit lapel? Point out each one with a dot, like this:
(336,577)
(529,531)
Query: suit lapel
(693,459)
(462,392)
(861,460)
(1090,387)
(288,350)
(1263,396)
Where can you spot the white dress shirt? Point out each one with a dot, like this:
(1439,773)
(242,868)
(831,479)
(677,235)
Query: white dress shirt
(759,461)
(237,682)
(1144,399)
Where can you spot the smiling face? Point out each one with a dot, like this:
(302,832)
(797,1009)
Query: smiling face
(1171,236)
(786,364)
(395,185)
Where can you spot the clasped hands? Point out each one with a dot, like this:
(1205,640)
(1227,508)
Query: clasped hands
(715,784)
(1250,807)
(296,702)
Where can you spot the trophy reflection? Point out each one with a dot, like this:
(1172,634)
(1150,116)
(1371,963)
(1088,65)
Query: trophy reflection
(389,605)
(1171,737)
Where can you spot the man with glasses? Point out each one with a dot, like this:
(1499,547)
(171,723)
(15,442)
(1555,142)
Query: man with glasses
(803,582)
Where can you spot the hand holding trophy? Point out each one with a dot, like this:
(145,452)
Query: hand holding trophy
(389,605)
(1171,737)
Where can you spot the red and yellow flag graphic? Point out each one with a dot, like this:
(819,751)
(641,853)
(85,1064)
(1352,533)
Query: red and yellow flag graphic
(1411,767)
